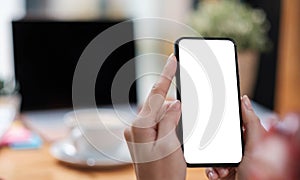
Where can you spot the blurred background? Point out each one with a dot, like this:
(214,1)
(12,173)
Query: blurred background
(273,83)
(267,34)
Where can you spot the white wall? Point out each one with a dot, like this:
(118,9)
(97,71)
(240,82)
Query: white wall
(9,10)
(170,9)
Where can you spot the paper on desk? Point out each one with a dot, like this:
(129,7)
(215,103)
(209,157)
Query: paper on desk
(49,124)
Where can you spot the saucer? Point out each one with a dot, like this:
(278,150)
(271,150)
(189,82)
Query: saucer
(65,151)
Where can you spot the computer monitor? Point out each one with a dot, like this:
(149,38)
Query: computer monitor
(46,54)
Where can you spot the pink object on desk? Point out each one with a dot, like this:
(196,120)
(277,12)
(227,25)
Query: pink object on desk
(15,134)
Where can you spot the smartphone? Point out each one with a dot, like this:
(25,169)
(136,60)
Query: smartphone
(207,81)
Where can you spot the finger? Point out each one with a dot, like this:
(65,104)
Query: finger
(253,128)
(144,129)
(159,91)
(211,173)
(163,110)
(127,135)
(170,120)
(150,122)
(143,135)
(129,141)
(222,172)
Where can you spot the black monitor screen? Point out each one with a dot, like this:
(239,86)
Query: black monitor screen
(46,54)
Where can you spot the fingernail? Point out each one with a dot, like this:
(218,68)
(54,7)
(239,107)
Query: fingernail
(210,174)
(175,106)
(247,102)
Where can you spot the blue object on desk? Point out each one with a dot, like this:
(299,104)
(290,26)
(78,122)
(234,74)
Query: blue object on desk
(34,142)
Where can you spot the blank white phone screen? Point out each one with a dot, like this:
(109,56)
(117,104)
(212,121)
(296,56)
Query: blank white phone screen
(210,101)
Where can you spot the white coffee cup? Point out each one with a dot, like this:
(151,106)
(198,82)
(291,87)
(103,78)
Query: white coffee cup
(96,131)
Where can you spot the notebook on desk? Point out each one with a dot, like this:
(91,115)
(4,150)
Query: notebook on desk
(46,54)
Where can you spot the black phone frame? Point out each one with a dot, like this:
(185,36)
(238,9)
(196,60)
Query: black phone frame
(178,84)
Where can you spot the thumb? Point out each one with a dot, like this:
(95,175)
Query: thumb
(253,128)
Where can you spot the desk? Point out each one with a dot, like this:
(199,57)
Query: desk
(39,164)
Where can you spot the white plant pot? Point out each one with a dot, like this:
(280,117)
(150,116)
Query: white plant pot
(248,67)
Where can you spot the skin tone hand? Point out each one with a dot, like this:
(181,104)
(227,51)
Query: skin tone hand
(253,132)
(156,151)
(268,155)
(152,139)
(277,155)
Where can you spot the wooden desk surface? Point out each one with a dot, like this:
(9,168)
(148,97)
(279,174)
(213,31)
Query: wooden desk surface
(39,164)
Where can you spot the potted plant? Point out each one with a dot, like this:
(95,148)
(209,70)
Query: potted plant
(9,95)
(246,26)
(6,87)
